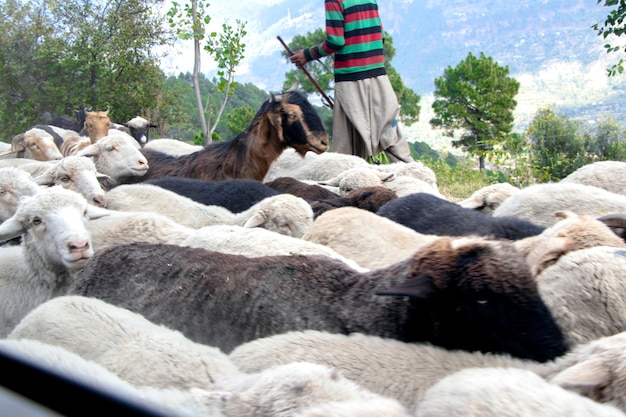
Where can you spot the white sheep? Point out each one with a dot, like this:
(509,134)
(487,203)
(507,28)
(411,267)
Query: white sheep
(133,348)
(55,245)
(283,213)
(405,371)
(539,202)
(413,169)
(315,167)
(370,240)
(586,292)
(488,198)
(76,173)
(14,184)
(172,146)
(506,393)
(609,175)
(257,241)
(299,387)
(117,156)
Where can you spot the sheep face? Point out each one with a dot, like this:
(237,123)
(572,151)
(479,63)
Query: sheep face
(297,123)
(36,144)
(478,294)
(76,173)
(14,184)
(117,156)
(54,222)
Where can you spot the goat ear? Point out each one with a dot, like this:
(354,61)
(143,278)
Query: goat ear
(11,228)
(255,221)
(420,287)
(277,123)
(276,97)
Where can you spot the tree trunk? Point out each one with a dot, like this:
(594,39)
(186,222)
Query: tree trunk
(481,162)
(196,71)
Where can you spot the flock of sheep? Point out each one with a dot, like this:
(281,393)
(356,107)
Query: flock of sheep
(264,276)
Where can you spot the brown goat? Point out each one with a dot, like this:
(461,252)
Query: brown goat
(97,125)
(286,120)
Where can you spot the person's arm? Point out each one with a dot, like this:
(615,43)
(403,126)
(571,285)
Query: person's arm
(334,36)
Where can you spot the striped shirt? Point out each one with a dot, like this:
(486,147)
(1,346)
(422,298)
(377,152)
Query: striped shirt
(354,34)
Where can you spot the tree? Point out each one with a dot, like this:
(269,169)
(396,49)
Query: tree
(557,147)
(227,49)
(321,71)
(58,56)
(613,27)
(476,97)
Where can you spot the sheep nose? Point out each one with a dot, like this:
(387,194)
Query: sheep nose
(143,162)
(78,246)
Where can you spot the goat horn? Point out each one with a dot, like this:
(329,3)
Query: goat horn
(614,220)
(276,97)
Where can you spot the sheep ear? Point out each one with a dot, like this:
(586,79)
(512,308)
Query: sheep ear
(101,176)
(386,176)
(94,212)
(471,204)
(333,182)
(255,221)
(17,144)
(421,287)
(587,374)
(47,178)
(89,151)
(11,228)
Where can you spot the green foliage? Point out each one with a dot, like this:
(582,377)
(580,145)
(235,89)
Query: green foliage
(613,27)
(190,21)
(321,71)
(557,146)
(457,182)
(58,56)
(476,97)
(239,119)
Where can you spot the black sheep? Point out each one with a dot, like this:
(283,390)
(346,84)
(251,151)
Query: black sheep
(428,214)
(235,194)
(465,293)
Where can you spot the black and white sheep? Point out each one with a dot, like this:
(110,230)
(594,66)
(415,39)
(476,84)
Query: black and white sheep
(234,194)
(405,371)
(55,245)
(287,120)
(429,214)
(139,128)
(467,293)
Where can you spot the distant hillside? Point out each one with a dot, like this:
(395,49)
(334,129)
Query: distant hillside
(548,45)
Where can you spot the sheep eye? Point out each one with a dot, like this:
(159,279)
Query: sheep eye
(36,220)
(65,178)
(109,148)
